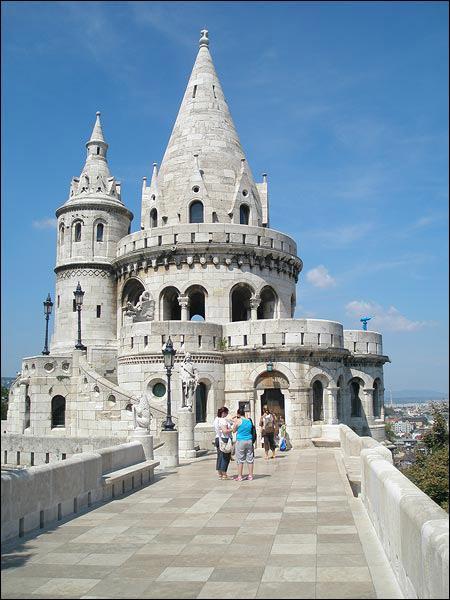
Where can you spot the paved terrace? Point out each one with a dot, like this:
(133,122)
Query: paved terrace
(296,531)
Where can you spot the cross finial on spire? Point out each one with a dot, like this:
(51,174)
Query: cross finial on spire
(204,41)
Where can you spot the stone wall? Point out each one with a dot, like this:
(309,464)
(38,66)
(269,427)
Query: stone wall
(413,530)
(33,498)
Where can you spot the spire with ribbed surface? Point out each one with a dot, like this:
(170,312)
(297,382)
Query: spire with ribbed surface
(204,127)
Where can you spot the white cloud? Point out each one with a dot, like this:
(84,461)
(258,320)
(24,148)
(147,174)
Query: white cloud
(389,319)
(45,224)
(319,277)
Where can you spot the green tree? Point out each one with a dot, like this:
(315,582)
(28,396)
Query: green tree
(5,394)
(389,431)
(430,469)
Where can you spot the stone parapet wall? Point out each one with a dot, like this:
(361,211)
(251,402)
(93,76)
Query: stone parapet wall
(33,498)
(34,450)
(207,233)
(358,341)
(413,530)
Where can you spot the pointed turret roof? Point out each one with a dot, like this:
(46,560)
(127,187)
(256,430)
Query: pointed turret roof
(203,127)
(95,177)
(97,132)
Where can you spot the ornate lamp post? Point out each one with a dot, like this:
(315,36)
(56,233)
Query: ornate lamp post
(169,357)
(47,312)
(78,293)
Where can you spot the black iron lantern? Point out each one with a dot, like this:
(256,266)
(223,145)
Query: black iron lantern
(169,359)
(47,312)
(78,293)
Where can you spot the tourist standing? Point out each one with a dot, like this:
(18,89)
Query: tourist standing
(244,444)
(268,424)
(222,428)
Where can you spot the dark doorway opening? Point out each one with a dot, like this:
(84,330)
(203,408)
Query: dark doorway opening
(274,399)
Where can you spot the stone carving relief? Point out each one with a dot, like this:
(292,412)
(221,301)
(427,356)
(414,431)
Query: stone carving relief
(144,309)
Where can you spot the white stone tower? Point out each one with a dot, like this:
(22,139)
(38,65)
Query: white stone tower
(90,224)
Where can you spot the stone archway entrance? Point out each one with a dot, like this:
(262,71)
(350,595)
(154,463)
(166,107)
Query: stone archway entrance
(271,388)
(274,398)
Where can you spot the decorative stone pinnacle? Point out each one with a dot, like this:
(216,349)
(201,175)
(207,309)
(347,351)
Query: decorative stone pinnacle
(204,41)
(98,113)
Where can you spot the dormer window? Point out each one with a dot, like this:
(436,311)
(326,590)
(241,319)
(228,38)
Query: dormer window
(196,212)
(153,218)
(98,150)
(244,214)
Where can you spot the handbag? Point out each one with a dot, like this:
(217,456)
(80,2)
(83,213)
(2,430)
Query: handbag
(226,445)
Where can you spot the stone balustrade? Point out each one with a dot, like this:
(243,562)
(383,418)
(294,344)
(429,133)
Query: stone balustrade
(413,530)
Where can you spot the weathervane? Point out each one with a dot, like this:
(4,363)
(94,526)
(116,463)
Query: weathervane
(364,321)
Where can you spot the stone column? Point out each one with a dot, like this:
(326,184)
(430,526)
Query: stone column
(381,401)
(186,424)
(183,301)
(331,412)
(168,453)
(368,404)
(300,431)
(254,303)
(143,436)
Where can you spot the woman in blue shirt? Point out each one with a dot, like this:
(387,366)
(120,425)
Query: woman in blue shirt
(244,444)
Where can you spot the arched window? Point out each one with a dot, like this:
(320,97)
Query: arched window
(153,218)
(99,232)
(244,214)
(240,302)
(317,401)
(267,306)
(339,407)
(27,412)
(61,234)
(58,411)
(196,212)
(376,400)
(197,296)
(201,396)
(355,399)
(170,308)
(77,232)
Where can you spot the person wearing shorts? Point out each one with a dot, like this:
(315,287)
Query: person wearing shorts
(244,444)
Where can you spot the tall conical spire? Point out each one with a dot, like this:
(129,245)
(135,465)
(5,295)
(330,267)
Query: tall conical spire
(97,132)
(203,126)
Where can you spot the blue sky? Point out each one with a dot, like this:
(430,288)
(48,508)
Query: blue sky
(344,105)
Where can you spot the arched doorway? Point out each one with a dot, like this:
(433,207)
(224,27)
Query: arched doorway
(271,388)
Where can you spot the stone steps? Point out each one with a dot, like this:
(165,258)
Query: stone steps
(326,443)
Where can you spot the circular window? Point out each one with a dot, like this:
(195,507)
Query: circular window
(159,389)
(65,366)
(245,192)
(111,401)
(196,189)
(96,391)
(49,367)
(129,407)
